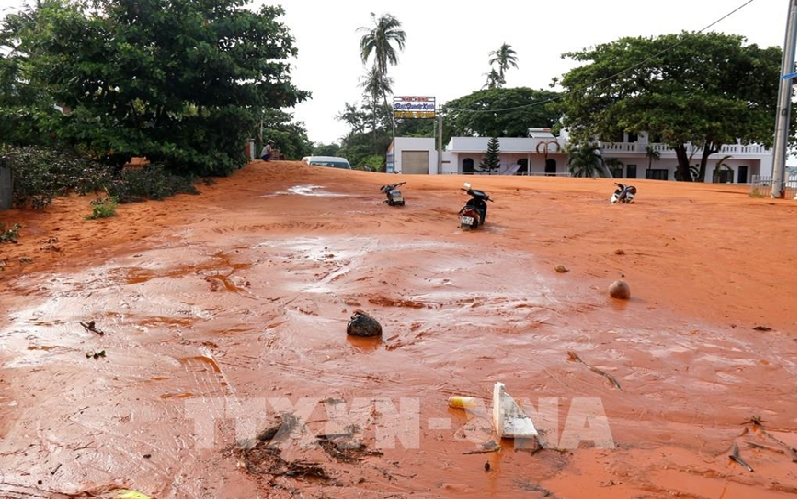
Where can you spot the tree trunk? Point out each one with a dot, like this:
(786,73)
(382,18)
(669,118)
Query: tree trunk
(392,116)
(709,148)
(682,174)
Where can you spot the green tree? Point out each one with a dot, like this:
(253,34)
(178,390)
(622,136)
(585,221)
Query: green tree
(706,89)
(326,150)
(491,160)
(290,137)
(584,159)
(180,81)
(505,57)
(379,40)
(500,112)
(27,111)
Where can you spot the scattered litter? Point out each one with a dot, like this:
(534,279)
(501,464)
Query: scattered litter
(131,494)
(458,402)
(561,269)
(95,355)
(574,357)
(362,324)
(762,328)
(509,419)
(619,252)
(487,466)
(91,326)
(734,456)
(486,448)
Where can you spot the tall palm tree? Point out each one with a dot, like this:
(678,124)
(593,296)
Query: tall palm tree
(585,160)
(379,40)
(505,57)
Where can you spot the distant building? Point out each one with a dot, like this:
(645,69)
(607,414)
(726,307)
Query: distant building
(542,153)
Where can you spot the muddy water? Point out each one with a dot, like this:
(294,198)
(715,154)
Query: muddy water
(210,334)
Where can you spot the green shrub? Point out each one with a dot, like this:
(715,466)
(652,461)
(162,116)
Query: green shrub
(9,235)
(154,182)
(103,208)
(41,174)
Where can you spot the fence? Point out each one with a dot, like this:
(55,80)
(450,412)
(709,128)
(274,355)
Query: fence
(761,187)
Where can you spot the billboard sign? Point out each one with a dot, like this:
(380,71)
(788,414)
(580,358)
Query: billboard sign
(414,107)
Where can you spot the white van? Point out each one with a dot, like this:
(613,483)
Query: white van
(332,161)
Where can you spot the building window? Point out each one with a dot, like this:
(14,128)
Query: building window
(658,174)
(632,137)
(467,166)
(630,171)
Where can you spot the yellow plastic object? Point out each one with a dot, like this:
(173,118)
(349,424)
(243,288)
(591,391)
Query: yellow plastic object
(458,402)
(132,494)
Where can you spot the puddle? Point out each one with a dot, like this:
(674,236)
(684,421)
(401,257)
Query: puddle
(308,190)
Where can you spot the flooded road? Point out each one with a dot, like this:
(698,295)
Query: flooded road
(158,365)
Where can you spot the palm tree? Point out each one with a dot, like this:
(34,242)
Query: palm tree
(493,80)
(379,40)
(652,155)
(614,164)
(719,166)
(585,160)
(375,84)
(505,58)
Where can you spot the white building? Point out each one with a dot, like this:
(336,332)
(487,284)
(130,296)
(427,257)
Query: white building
(543,154)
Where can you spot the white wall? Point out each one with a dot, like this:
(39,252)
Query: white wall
(401,144)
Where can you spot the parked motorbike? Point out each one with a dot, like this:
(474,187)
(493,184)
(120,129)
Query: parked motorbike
(623,194)
(394,197)
(474,213)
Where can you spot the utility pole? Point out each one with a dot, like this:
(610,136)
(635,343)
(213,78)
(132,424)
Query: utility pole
(440,140)
(784,104)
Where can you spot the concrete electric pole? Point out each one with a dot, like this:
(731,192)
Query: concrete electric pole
(784,105)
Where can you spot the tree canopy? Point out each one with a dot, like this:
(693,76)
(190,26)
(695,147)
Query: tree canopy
(500,112)
(704,89)
(185,82)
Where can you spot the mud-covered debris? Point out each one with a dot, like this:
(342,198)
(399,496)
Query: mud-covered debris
(92,327)
(362,324)
(763,329)
(345,447)
(573,356)
(561,269)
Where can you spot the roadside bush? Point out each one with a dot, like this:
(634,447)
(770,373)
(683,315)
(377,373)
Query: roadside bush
(9,234)
(42,174)
(154,182)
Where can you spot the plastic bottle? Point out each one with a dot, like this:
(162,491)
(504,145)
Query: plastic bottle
(458,402)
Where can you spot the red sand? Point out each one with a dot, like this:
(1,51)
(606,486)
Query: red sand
(222,310)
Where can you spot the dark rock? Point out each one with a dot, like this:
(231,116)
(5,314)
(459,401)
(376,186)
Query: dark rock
(362,324)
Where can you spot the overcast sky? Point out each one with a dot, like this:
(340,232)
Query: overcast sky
(448,43)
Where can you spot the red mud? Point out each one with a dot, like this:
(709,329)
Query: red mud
(219,312)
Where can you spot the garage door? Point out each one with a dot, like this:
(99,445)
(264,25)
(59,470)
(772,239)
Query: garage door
(415,162)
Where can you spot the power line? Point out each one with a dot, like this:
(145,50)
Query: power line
(598,82)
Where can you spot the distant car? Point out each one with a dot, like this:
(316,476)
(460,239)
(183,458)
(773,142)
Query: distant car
(332,161)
